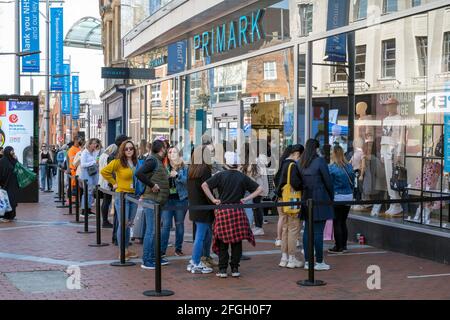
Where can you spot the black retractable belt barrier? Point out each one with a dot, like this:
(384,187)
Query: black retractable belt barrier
(63,204)
(158,292)
(310,282)
(97,217)
(60,185)
(86,209)
(122,262)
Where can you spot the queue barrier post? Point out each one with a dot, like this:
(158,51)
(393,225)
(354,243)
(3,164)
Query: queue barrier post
(69,196)
(97,217)
(77,201)
(122,262)
(63,200)
(158,292)
(86,208)
(58,194)
(311,282)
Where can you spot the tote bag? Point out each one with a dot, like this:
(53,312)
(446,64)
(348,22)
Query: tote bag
(24,176)
(5,206)
(288,194)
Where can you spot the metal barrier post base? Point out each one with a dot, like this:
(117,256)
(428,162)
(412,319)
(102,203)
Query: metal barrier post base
(85,232)
(62,207)
(99,245)
(307,283)
(154,293)
(125,264)
(48,191)
(78,222)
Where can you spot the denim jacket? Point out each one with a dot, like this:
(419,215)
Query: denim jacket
(341,181)
(181,183)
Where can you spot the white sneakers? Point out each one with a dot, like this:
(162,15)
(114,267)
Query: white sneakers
(318,266)
(394,209)
(294,263)
(200,268)
(375,210)
(277,243)
(190,265)
(258,231)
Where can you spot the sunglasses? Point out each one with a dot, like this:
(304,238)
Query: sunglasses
(129,149)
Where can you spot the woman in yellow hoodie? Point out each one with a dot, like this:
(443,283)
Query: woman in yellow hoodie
(119,173)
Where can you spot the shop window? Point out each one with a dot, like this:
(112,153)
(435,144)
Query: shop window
(271,97)
(306,18)
(360,9)
(360,62)
(389,6)
(415,3)
(446,53)
(422,55)
(339,73)
(270,70)
(388,59)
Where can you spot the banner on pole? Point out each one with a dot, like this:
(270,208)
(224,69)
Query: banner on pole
(336,46)
(75,97)
(65,101)
(56,45)
(30,35)
(176,59)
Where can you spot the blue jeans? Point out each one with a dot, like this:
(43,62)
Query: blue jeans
(91,182)
(45,174)
(130,213)
(201,235)
(166,218)
(148,256)
(207,242)
(318,226)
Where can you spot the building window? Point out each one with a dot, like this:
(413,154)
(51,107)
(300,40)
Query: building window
(415,3)
(156,95)
(360,9)
(422,55)
(306,18)
(360,62)
(446,53)
(338,73)
(271,97)
(302,70)
(270,70)
(389,6)
(388,59)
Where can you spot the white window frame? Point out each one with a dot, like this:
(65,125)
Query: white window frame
(305,11)
(385,59)
(270,70)
(272,96)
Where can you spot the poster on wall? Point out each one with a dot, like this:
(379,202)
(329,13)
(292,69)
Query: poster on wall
(266,114)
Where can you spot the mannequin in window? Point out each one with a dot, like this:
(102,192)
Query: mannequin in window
(392,148)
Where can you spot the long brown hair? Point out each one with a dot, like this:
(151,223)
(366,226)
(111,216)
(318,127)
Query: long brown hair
(122,156)
(337,156)
(200,161)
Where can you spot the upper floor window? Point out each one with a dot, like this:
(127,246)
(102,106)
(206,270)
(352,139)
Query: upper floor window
(446,53)
(271,97)
(306,18)
(388,59)
(270,70)
(360,9)
(415,3)
(339,73)
(156,95)
(302,70)
(360,62)
(422,55)
(389,6)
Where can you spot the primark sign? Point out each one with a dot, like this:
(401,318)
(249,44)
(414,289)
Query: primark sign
(230,35)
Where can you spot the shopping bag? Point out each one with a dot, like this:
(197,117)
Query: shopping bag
(5,206)
(138,224)
(24,176)
(328,231)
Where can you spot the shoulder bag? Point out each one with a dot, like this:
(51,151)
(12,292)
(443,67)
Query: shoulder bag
(288,194)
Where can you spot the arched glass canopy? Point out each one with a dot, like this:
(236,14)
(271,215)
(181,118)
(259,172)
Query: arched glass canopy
(85,33)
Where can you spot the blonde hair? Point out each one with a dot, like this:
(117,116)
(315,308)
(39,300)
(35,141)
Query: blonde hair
(111,149)
(337,156)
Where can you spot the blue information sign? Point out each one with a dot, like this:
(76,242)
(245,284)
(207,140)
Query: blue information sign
(30,35)
(65,102)
(176,59)
(56,45)
(75,97)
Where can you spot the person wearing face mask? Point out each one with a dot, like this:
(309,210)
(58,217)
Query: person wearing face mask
(8,180)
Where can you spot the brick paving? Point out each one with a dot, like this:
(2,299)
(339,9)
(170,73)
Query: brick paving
(43,239)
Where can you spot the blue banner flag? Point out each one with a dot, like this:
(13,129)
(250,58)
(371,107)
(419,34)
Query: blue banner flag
(176,60)
(30,35)
(65,101)
(75,97)
(336,47)
(56,45)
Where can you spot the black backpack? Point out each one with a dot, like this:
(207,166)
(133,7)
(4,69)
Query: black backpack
(399,179)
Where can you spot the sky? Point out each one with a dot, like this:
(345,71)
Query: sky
(87,62)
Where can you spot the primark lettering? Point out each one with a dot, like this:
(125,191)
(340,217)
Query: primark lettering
(231,35)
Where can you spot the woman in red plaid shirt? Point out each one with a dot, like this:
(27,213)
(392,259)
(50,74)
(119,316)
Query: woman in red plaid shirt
(231,225)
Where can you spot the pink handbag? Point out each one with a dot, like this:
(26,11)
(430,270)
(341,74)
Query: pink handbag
(328,233)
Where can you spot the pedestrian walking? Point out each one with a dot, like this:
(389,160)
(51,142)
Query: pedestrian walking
(317,186)
(290,178)
(154,176)
(89,171)
(198,173)
(231,225)
(178,196)
(343,178)
(104,184)
(45,171)
(8,181)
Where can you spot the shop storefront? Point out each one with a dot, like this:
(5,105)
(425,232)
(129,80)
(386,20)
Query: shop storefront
(375,75)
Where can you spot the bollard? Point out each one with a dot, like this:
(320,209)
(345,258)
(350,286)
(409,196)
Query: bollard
(310,282)
(86,209)
(70,196)
(158,292)
(97,217)
(60,186)
(122,262)
(77,201)
(63,205)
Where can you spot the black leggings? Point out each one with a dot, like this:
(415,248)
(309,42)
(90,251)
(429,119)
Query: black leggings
(258,213)
(107,199)
(10,215)
(340,226)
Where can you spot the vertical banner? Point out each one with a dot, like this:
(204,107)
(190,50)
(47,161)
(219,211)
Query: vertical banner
(56,46)
(65,102)
(75,97)
(30,35)
(336,47)
(176,60)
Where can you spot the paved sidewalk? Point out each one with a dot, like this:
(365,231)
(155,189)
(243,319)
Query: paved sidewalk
(43,241)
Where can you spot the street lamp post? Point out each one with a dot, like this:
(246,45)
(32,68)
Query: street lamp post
(47,71)
(17,48)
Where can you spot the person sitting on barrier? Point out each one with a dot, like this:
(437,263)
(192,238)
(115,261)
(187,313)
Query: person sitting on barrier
(291,221)
(104,184)
(154,175)
(178,195)
(343,179)
(317,185)
(119,173)
(89,171)
(231,225)
(199,172)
